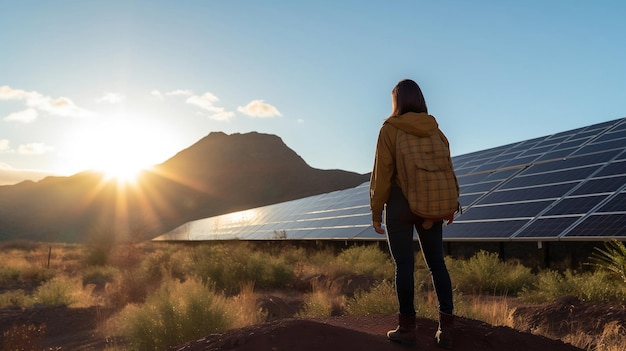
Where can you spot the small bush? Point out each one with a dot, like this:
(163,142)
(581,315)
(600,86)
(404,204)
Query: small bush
(9,274)
(230,266)
(99,275)
(587,286)
(612,258)
(486,273)
(175,313)
(381,299)
(325,300)
(15,298)
(57,291)
(37,274)
(245,307)
(366,260)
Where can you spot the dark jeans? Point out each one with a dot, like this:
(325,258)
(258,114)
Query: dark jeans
(400,222)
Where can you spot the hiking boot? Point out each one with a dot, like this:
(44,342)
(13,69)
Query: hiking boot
(405,332)
(445,330)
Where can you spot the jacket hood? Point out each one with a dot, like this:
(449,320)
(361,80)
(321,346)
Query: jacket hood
(418,124)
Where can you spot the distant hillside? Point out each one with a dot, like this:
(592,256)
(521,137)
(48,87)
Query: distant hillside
(217,175)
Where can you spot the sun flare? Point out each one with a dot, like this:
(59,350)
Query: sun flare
(120,150)
(122,173)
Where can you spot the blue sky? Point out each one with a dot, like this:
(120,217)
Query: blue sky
(119,84)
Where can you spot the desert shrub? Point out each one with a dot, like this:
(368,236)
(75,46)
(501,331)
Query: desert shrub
(293,254)
(321,261)
(99,251)
(486,273)
(154,266)
(245,307)
(612,258)
(99,275)
(173,314)
(15,298)
(8,274)
(37,274)
(366,260)
(133,285)
(587,286)
(57,291)
(230,266)
(324,301)
(381,299)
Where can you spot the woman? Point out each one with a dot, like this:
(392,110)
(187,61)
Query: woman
(392,183)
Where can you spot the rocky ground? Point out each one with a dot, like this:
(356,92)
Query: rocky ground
(62,328)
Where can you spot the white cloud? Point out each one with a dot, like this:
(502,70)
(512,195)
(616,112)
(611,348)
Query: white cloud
(222,116)
(61,106)
(8,93)
(33,149)
(300,121)
(26,116)
(111,98)
(204,101)
(156,94)
(179,92)
(25,149)
(258,108)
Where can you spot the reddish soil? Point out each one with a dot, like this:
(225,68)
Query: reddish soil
(62,328)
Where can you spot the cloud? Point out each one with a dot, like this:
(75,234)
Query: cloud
(26,116)
(25,149)
(222,116)
(156,94)
(111,98)
(258,108)
(61,106)
(33,149)
(204,101)
(178,92)
(8,93)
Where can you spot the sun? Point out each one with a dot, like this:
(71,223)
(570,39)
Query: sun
(122,173)
(121,149)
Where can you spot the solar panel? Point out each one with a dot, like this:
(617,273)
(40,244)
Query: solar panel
(565,186)
(340,215)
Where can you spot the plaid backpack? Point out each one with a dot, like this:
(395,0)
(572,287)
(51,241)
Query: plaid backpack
(426,175)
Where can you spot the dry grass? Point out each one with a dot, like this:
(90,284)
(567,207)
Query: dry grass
(61,272)
(324,301)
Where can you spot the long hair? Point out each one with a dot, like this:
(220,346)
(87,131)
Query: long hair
(407,96)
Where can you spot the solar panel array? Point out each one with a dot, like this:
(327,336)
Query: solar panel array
(565,186)
(340,215)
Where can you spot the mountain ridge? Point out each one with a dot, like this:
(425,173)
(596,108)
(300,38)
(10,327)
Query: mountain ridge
(218,174)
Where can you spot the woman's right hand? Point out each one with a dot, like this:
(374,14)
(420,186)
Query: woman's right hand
(378,227)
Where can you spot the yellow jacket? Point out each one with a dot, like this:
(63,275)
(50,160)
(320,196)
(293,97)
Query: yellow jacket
(384,171)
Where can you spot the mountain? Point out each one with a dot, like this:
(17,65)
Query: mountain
(218,174)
